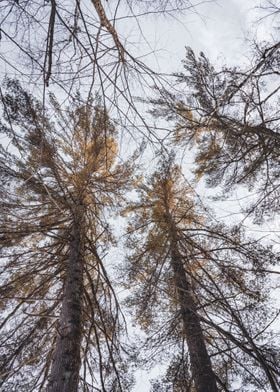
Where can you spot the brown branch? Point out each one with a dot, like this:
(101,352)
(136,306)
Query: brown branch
(49,49)
(109,27)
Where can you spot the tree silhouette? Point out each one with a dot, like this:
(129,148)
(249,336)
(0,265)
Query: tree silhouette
(199,290)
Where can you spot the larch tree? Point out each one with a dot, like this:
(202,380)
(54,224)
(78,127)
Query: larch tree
(199,290)
(61,321)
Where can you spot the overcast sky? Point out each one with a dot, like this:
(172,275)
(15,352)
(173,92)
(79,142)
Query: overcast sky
(219,29)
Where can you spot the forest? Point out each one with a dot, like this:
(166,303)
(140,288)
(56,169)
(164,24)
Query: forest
(140,196)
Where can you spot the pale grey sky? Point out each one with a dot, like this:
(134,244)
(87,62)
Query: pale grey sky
(218,28)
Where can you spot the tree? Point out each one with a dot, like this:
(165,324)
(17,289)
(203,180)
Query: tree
(232,117)
(61,320)
(199,290)
(82,45)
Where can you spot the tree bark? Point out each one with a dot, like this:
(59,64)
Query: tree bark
(201,367)
(66,364)
(203,375)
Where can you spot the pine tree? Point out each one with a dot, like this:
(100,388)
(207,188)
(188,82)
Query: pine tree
(231,115)
(61,321)
(199,291)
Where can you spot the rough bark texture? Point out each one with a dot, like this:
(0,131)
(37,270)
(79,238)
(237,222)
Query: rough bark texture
(203,375)
(66,361)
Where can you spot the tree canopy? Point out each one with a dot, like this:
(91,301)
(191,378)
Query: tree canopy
(188,272)
(59,178)
(107,224)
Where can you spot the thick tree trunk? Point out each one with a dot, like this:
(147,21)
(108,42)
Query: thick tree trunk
(203,375)
(201,367)
(66,360)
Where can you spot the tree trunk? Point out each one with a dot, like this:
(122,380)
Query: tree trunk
(66,364)
(203,375)
(201,367)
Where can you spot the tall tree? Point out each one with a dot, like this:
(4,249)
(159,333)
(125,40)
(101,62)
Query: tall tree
(60,318)
(77,41)
(198,287)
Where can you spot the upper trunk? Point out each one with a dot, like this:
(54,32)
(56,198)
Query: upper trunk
(203,375)
(66,361)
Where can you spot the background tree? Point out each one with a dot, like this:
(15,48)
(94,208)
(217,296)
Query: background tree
(61,320)
(67,46)
(199,289)
(79,43)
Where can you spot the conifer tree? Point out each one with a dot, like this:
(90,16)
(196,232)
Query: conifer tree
(61,321)
(231,115)
(199,291)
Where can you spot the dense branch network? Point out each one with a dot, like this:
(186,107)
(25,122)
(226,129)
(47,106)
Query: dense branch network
(58,180)
(199,289)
